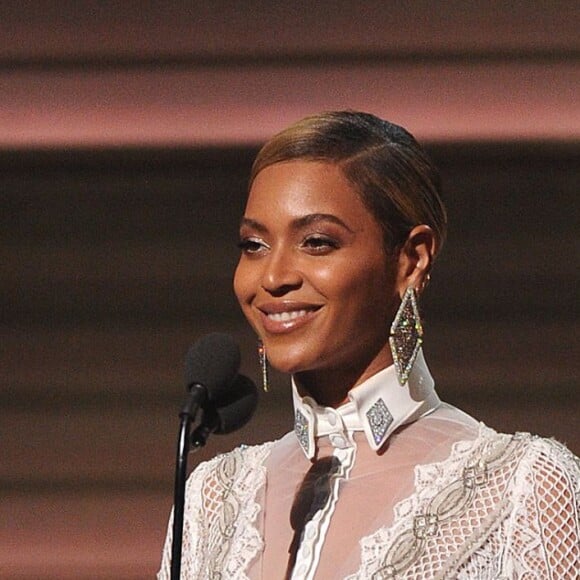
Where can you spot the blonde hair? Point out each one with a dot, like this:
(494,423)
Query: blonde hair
(390,171)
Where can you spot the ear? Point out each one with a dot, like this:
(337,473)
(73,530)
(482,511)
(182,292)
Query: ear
(416,259)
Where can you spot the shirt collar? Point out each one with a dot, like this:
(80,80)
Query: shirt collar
(378,407)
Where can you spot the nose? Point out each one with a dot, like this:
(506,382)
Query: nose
(281,273)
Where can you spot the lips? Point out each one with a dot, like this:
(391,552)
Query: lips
(285,317)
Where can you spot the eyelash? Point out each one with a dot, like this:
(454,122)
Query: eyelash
(251,245)
(320,243)
(316,244)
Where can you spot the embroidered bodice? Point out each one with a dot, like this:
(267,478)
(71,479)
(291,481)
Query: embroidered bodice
(443,497)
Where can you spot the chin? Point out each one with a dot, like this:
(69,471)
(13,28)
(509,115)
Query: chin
(289,360)
(286,365)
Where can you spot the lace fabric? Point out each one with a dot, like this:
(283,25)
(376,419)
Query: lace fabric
(498,507)
(220,537)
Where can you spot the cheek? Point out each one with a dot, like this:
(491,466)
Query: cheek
(242,283)
(244,290)
(368,293)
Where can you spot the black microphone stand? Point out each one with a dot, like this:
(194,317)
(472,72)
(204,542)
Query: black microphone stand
(234,412)
(196,398)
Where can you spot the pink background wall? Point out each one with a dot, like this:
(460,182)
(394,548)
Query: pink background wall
(134,73)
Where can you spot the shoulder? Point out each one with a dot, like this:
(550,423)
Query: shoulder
(232,464)
(543,458)
(548,469)
(553,454)
(529,453)
(520,464)
(226,482)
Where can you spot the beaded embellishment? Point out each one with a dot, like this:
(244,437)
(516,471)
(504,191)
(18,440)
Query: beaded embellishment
(301,430)
(263,366)
(406,335)
(379,419)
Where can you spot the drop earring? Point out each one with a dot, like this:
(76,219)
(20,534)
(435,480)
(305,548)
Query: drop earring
(406,335)
(263,365)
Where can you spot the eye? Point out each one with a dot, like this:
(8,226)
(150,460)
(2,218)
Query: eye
(252,245)
(319,244)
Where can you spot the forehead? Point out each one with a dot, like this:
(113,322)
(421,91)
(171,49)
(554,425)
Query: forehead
(297,188)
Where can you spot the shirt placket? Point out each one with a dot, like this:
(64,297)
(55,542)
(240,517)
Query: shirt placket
(315,531)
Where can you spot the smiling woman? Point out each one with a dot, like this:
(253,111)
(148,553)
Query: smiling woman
(379,479)
(313,274)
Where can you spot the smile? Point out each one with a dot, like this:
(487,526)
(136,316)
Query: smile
(285,316)
(282,318)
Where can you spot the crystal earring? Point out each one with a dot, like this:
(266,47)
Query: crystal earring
(263,365)
(406,335)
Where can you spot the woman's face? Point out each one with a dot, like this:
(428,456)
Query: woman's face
(313,278)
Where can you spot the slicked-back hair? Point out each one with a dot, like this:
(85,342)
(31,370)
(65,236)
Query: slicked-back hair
(387,167)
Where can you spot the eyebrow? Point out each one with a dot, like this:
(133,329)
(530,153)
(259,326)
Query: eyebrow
(298,223)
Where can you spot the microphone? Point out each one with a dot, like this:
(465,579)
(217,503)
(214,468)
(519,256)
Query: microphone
(236,413)
(227,401)
(211,367)
(236,410)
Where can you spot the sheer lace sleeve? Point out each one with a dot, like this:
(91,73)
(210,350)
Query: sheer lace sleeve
(193,495)
(502,507)
(220,537)
(543,534)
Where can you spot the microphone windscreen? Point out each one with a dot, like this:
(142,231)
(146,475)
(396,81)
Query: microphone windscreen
(213,361)
(239,408)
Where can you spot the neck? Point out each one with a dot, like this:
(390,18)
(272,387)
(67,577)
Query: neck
(330,387)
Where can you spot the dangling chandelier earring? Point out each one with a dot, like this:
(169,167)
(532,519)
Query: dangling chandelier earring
(406,335)
(263,365)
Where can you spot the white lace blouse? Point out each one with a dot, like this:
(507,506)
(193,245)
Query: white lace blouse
(393,484)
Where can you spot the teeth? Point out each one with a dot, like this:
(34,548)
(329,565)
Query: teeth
(286,316)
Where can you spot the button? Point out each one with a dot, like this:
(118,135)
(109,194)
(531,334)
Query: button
(338,441)
(332,419)
(301,569)
(311,533)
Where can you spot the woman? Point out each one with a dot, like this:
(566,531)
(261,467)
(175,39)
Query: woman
(379,478)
